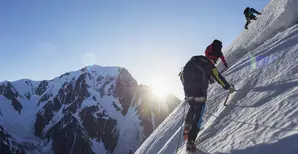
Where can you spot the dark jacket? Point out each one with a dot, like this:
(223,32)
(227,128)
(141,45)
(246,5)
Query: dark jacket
(195,76)
(214,52)
(249,11)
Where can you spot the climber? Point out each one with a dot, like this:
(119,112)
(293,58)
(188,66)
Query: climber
(194,78)
(213,52)
(249,15)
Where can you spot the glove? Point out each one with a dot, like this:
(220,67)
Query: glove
(226,65)
(232,88)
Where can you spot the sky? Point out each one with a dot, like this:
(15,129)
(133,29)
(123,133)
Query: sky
(152,39)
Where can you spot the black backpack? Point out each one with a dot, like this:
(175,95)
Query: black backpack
(246,11)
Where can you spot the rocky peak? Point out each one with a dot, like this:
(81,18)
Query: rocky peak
(93,110)
(8,145)
(42,87)
(9,92)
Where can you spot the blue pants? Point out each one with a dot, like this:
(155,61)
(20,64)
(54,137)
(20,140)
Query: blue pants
(194,118)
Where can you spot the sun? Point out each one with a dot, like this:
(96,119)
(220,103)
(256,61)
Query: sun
(160,87)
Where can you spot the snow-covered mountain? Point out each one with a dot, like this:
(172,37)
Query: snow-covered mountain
(261,117)
(8,143)
(92,110)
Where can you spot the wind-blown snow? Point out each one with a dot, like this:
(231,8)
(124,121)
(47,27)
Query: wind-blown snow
(261,117)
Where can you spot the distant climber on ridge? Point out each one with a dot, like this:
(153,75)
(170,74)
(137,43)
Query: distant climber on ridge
(249,15)
(195,79)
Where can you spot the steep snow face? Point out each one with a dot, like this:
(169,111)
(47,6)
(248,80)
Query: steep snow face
(165,137)
(261,117)
(277,16)
(93,110)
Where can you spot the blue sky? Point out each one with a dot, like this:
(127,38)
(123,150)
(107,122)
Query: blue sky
(153,39)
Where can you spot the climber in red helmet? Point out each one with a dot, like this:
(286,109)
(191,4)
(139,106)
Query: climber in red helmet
(213,52)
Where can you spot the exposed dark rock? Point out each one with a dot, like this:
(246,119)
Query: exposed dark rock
(77,95)
(90,77)
(116,107)
(111,90)
(29,83)
(43,118)
(110,135)
(57,104)
(125,88)
(100,78)
(102,89)
(65,74)
(71,108)
(17,105)
(42,87)
(84,69)
(69,137)
(65,94)
(100,126)
(8,145)
(111,78)
(45,98)
(80,90)
(2,87)
(8,91)
(28,95)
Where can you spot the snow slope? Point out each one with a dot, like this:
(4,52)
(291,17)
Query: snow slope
(277,16)
(262,115)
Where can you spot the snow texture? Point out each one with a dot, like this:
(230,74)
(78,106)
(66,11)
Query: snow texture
(261,117)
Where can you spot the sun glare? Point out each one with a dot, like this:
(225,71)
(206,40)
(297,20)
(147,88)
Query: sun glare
(160,88)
